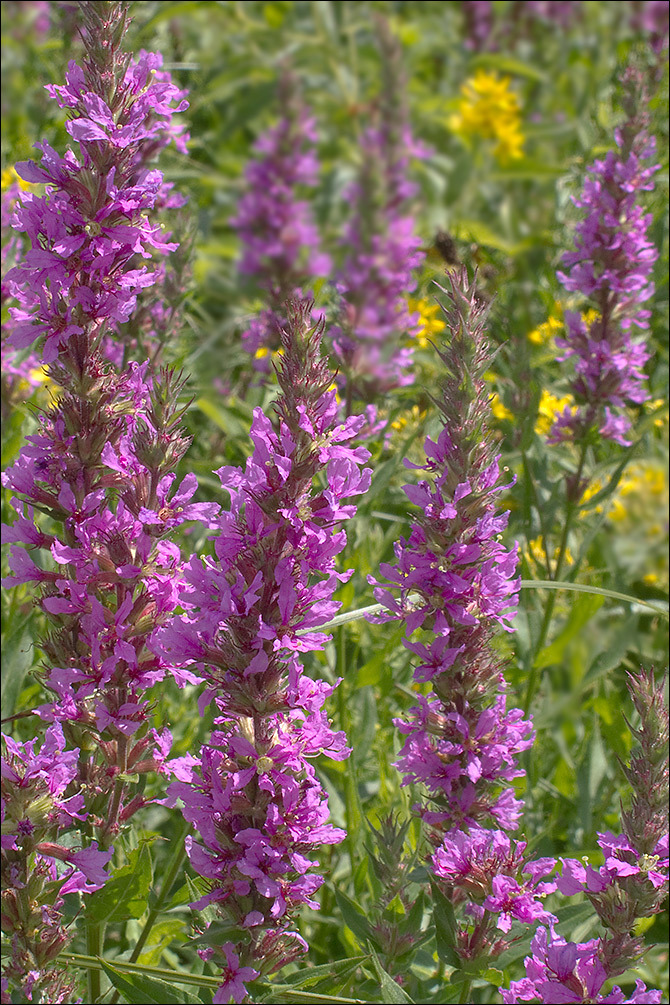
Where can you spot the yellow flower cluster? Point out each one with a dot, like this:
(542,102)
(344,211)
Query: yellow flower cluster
(647,483)
(413,415)
(538,553)
(429,322)
(500,411)
(549,407)
(489,109)
(546,331)
(638,511)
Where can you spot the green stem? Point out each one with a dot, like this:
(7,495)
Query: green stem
(94,942)
(465,993)
(572,504)
(174,865)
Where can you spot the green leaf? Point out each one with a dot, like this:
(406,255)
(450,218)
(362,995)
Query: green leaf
(391,992)
(372,671)
(353,917)
(139,990)
(412,923)
(125,895)
(223,418)
(161,937)
(314,975)
(445,927)
(613,655)
(496,61)
(527,169)
(551,584)
(481,233)
(583,609)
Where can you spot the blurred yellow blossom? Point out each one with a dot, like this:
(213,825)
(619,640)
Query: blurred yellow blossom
(549,407)
(546,330)
(9,177)
(263,351)
(500,411)
(488,108)
(429,323)
(645,481)
(662,417)
(536,550)
(413,414)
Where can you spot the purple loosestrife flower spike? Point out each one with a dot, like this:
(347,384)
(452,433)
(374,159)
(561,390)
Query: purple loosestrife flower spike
(41,802)
(632,883)
(279,238)
(611,268)
(457,583)
(383,248)
(92,228)
(101,465)
(252,793)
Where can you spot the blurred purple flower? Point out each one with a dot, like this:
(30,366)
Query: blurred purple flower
(374,322)
(280,241)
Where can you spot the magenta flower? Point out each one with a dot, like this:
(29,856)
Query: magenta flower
(252,794)
(94,486)
(492,871)
(564,972)
(233,978)
(611,268)
(454,581)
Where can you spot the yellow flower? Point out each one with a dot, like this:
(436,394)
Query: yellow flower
(663,417)
(409,415)
(489,109)
(537,552)
(589,492)
(263,351)
(9,177)
(643,483)
(428,323)
(545,331)
(548,409)
(500,411)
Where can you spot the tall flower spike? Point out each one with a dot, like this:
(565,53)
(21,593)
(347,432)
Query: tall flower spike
(611,268)
(253,794)
(280,242)
(383,248)
(456,583)
(632,883)
(93,223)
(101,465)
(41,802)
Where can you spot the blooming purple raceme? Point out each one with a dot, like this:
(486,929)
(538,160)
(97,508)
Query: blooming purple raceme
(374,323)
(560,971)
(41,802)
(253,795)
(454,580)
(94,487)
(280,240)
(631,884)
(611,269)
(91,234)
